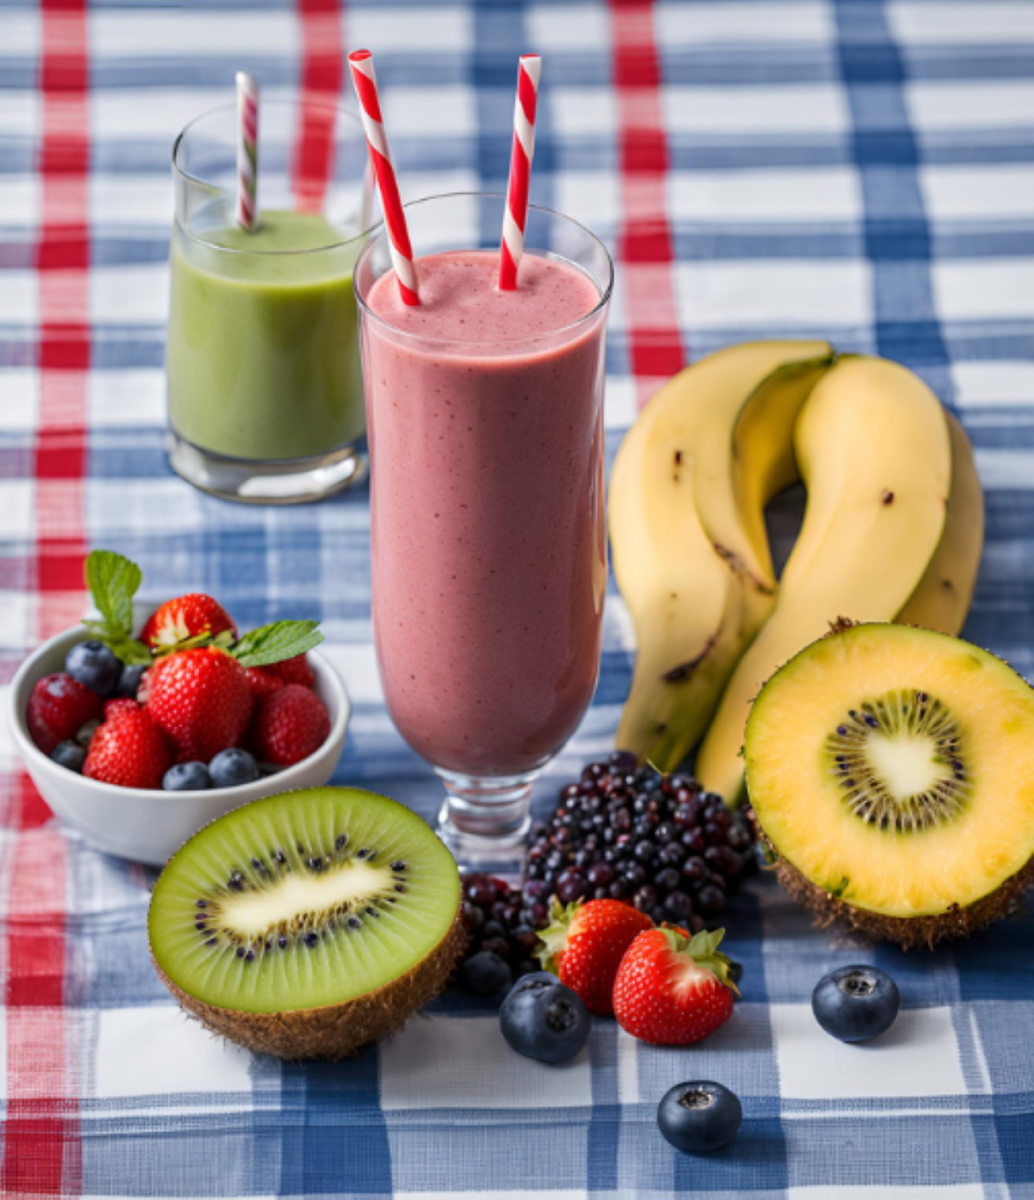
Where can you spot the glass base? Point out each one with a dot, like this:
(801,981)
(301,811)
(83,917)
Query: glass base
(485,821)
(293,481)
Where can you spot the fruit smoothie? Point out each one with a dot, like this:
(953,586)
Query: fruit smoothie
(262,354)
(487,526)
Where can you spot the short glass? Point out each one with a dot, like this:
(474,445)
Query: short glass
(264,385)
(487,526)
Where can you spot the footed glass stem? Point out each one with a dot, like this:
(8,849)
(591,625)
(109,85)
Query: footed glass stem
(485,820)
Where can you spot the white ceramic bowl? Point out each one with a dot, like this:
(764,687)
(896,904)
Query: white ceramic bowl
(149,826)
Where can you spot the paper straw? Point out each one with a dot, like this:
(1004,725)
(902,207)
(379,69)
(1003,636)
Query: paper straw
(516,215)
(247,151)
(361,63)
(366,202)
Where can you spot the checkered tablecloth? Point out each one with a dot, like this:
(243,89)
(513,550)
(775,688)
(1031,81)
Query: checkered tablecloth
(850,169)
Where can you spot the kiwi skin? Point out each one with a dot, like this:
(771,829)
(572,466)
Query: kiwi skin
(908,932)
(335,1031)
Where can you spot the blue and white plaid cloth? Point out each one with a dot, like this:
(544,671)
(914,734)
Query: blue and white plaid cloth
(851,169)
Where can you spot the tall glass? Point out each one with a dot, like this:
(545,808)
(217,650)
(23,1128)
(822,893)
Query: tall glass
(264,384)
(487,514)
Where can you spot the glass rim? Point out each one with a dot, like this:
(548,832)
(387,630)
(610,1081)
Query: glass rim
(231,107)
(605,293)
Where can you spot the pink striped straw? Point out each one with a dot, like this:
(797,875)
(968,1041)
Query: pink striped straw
(247,151)
(516,215)
(365,80)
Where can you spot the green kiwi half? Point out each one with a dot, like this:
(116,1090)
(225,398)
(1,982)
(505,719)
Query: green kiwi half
(308,924)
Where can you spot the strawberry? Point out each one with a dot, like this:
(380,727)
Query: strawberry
(584,946)
(58,708)
(672,989)
(147,679)
(129,751)
(294,670)
(184,619)
(290,724)
(262,681)
(201,699)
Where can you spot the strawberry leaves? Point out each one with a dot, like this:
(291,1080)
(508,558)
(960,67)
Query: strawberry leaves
(553,938)
(702,948)
(221,641)
(277,642)
(113,582)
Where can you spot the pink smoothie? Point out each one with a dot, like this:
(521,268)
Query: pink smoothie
(488,542)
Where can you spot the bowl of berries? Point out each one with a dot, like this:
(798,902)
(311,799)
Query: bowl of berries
(137,740)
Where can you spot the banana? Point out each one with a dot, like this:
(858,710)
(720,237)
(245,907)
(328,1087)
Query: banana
(696,576)
(874,452)
(942,599)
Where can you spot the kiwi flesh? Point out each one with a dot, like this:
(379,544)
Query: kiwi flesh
(891,771)
(308,924)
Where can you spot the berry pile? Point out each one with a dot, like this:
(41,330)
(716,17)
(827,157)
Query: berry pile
(623,832)
(502,932)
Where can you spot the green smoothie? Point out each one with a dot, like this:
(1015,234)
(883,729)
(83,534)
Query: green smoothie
(262,355)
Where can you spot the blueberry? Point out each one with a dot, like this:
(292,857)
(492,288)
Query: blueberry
(485,974)
(129,680)
(232,767)
(85,735)
(855,1004)
(94,666)
(544,1020)
(699,1117)
(187,777)
(70,755)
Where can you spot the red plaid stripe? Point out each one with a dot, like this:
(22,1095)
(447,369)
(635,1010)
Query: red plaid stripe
(322,73)
(63,356)
(645,244)
(42,1148)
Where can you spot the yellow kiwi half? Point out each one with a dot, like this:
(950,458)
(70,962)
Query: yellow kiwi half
(891,770)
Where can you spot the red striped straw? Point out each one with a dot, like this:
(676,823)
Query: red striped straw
(516,214)
(247,151)
(365,80)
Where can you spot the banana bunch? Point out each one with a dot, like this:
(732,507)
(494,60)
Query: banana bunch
(893,530)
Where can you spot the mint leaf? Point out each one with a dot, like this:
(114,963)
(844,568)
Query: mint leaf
(276,642)
(127,649)
(131,652)
(113,582)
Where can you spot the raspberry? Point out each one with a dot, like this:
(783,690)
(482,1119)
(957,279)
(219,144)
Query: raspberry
(262,681)
(294,670)
(291,724)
